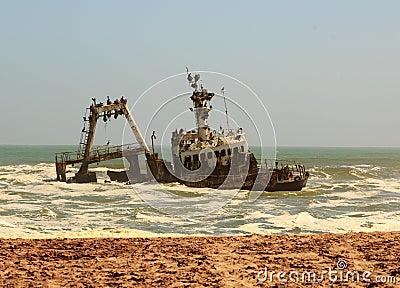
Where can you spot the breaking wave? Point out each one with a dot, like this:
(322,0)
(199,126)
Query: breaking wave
(339,197)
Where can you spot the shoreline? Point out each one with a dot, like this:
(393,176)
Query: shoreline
(217,261)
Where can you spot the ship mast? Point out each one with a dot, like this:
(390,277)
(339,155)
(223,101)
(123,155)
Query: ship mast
(226,109)
(200,97)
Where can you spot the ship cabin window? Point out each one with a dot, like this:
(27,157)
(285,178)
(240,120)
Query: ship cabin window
(209,155)
(187,159)
(203,157)
(229,151)
(195,158)
(242,149)
(223,152)
(235,150)
(216,153)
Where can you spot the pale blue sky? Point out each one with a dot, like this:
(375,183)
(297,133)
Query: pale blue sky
(328,72)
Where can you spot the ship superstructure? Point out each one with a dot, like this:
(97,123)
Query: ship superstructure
(208,157)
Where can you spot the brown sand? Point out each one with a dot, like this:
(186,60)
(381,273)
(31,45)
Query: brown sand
(201,261)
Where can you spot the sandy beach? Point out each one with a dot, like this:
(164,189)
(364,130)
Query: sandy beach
(352,259)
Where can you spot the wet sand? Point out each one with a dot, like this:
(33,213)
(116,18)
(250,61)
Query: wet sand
(237,261)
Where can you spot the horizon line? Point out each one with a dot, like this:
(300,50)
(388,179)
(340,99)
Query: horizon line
(278,146)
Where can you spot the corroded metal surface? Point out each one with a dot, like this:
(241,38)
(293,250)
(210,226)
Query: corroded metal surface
(87,154)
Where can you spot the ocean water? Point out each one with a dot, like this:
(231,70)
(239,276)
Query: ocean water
(349,189)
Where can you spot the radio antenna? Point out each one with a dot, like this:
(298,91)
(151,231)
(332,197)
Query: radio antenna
(226,109)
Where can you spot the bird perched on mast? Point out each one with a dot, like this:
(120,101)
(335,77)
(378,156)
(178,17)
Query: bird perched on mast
(189,76)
